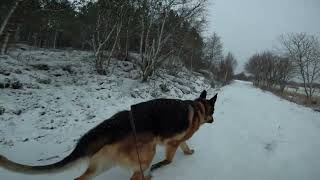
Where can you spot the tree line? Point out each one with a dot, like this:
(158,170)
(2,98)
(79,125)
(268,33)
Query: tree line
(157,30)
(298,57)
(221,66)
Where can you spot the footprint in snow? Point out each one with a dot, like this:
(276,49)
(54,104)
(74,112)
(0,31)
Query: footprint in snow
(270,146)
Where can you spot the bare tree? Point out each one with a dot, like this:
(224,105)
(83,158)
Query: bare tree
(7,33)
(226,68)
(107,30)
(6,20)
(213,50)
(284,72)
(303,50)
(270,70)
(154,32)
(254,66)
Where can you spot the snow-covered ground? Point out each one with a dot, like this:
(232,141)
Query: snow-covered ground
(256,135)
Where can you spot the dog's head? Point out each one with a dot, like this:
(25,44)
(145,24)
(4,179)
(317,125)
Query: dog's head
(206,106)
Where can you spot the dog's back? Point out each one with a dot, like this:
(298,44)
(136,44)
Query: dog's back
(160,117)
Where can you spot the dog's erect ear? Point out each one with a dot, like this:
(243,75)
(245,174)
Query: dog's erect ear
(203,95)
(213,100)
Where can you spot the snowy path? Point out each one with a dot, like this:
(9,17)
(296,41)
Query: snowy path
(256,135)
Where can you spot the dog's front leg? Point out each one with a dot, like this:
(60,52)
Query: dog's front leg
(185,148)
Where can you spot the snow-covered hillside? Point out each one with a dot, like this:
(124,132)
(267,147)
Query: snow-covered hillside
(51,98)
(256,135)
(58,92)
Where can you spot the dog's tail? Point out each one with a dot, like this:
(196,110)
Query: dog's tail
(87,146)
(62,165)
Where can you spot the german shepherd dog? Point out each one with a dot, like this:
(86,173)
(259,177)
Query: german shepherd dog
(169,122)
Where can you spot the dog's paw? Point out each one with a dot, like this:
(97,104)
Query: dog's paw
(189,152)
(159,165)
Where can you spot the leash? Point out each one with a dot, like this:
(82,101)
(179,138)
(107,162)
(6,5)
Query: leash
(136,141)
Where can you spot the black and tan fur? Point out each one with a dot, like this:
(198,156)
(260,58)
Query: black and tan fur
(170,122)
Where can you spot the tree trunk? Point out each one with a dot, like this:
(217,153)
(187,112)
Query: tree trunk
(226,78)
(17,34)
(127,43)
(114,44)
(99,64)
(35,37)
(29,37)
(5,44)
(147,73)
(282,88)
(55,39)
(6,20)
(82,46)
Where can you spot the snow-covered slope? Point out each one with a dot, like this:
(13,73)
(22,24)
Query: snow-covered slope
(62,96)
(256,135)
(51,98)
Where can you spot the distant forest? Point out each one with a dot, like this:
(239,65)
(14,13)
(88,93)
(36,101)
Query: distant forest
(161,32)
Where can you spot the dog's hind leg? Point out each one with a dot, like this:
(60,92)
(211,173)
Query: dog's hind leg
(88,174)
(137,176)
(146,153)
(171,149)
(97,164)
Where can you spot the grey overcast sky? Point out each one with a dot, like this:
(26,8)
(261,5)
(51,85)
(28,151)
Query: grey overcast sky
(250,26)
